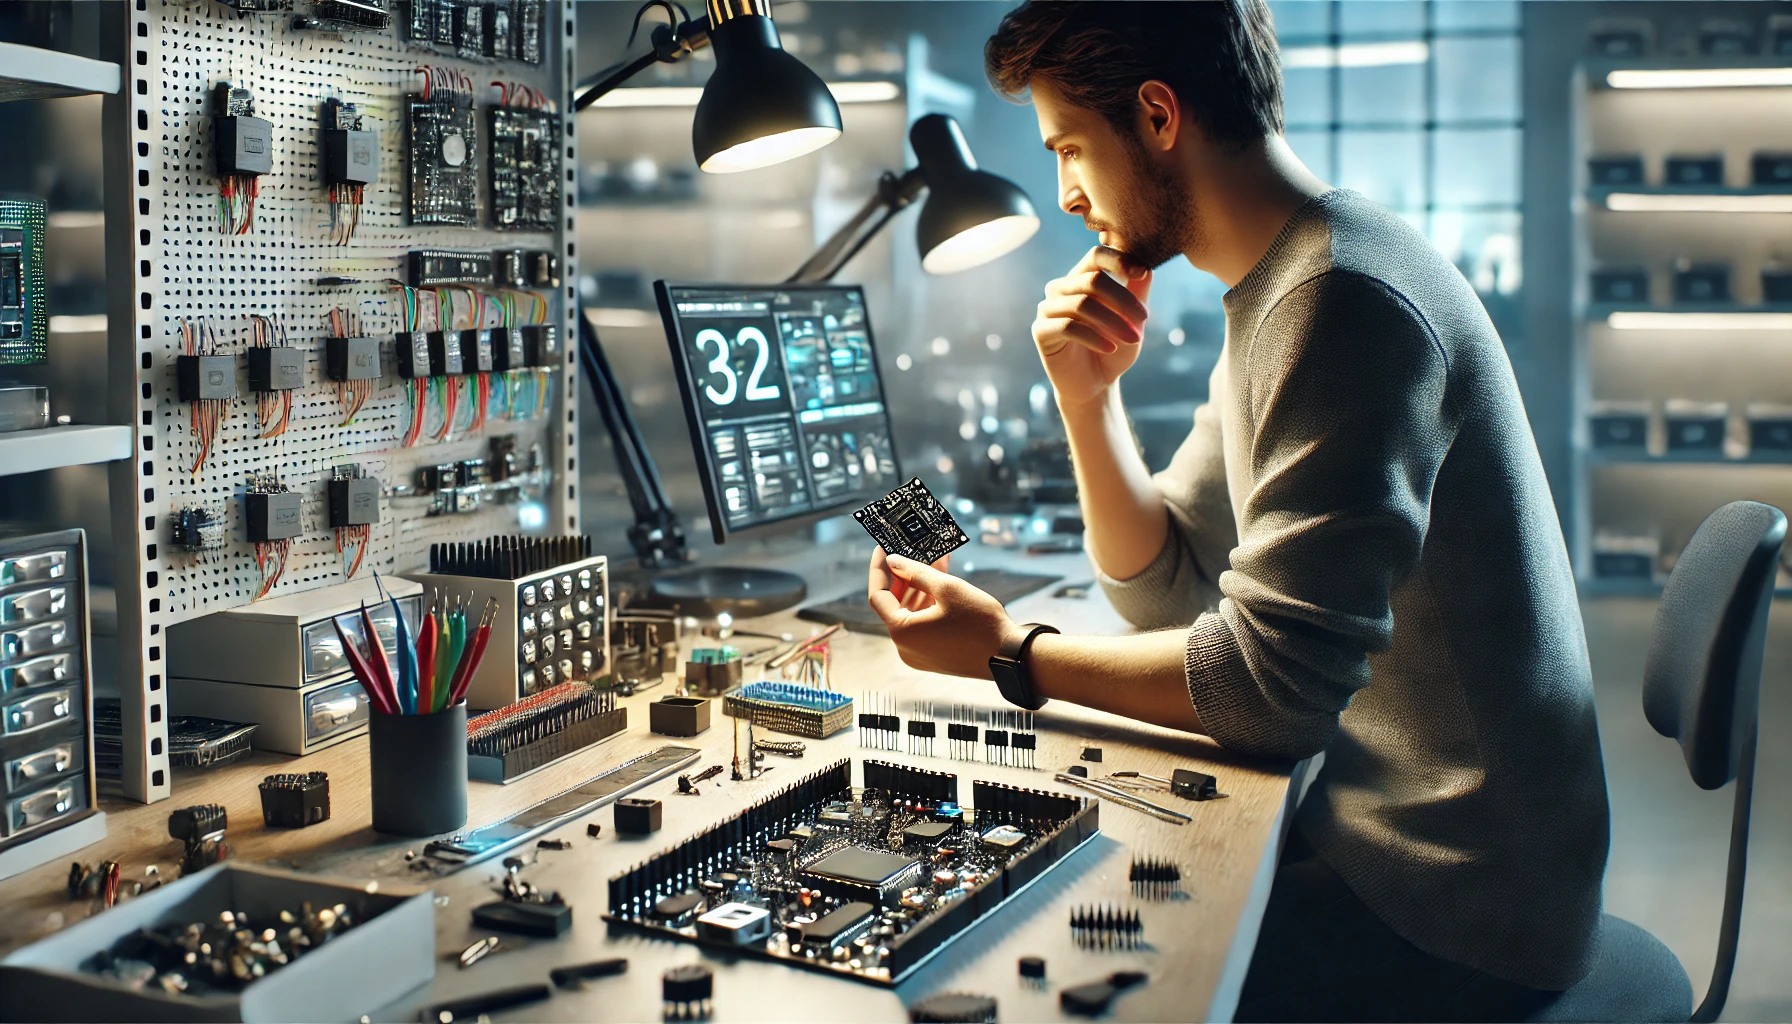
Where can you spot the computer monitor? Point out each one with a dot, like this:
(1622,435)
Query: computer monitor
(785,403)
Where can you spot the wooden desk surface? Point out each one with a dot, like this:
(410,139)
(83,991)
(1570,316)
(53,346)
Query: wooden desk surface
(1197,949)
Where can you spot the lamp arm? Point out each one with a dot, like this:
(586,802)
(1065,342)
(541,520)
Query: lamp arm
(893,195)
(657,534)
(669,45)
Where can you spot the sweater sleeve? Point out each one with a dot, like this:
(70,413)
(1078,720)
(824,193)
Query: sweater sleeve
(1182,582)
(1346,390)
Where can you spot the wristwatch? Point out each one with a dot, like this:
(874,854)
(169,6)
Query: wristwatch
(1009,667)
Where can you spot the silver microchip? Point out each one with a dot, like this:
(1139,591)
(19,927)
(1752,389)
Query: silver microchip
(1004,836)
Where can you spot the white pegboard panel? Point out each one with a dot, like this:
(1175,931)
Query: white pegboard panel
(187,270)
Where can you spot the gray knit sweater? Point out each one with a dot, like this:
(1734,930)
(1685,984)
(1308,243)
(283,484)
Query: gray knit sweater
(1363,539)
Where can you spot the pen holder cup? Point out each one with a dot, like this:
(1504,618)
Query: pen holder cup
(419,771)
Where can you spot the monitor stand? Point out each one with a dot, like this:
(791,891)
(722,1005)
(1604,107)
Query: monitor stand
(737,590)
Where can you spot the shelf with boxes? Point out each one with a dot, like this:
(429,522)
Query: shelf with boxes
(1682,397)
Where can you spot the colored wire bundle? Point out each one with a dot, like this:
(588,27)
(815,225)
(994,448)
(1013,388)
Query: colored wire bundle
(351,542)
(448,81)
(345,211)
(265,333)
(433,670)
(414,388)
(352,395)
(513,94)
(270,559)
(236,203)
(205,415)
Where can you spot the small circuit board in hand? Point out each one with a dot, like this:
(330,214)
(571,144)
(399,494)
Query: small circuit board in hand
(910,522)
(864,883)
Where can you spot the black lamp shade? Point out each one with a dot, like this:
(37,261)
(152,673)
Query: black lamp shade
(970,216)
(761,106)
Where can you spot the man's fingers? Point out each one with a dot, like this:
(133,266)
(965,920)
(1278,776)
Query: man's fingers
(924,578)
(1115,262)
(1089,310)
(1055,335)
(1104,289)
(889,609)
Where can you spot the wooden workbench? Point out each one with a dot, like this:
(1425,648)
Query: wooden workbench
(1196,949)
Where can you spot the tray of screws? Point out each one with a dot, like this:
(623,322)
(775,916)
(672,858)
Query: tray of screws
(229,943)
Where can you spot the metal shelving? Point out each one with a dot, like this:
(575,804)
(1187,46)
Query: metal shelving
(28,451)
(32,73)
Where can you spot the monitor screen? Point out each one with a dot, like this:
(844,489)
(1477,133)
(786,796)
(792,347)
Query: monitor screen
(784,400)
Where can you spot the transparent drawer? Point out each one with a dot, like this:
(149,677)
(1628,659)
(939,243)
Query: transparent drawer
(35,568)
(30,641)
(333,710)
(323,648)
(60,759)
(32,605)
(45,671)
(35,810)
(46,709)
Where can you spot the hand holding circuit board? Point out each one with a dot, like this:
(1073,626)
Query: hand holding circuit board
(910,522)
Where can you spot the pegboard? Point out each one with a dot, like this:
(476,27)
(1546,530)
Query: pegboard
(182,268)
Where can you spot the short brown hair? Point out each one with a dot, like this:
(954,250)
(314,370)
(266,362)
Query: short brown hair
(1219,56)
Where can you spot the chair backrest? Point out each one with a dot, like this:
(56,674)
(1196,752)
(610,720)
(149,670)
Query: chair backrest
(1702,682)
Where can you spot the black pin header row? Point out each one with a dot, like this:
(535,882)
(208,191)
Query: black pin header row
(507,558)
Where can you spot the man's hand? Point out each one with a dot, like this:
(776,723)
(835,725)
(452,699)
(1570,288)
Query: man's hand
(939,622)
(1090,325)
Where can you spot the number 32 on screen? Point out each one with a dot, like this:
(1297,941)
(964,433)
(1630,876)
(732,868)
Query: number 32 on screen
(756,392)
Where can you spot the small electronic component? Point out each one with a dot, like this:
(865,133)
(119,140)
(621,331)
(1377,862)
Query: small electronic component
(1106,927)
(871,876)
(541,344)
(954,1008)
(679,716)
(510,742)
(735,924)
(345,16)
(276,369)
(24,311)
(426,268)
(197,528)
(836,928)
(244,8)
(505,30)
(295,801)
(200,830)
(910,522)
(547,917)
(1092,754)
(350,161)
(206,381)
(573,975)
(444,151)
(242,151)
(1004,837)
(1154,877)
(526,268)
(353,506)
(1032,968)
(1094,998)
(354,498)
(638,816)
(687,991)
(524,161)
(271,516)
(678,910)
(1193,785)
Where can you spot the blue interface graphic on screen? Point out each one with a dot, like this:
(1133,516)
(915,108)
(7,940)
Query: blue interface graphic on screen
(786,389)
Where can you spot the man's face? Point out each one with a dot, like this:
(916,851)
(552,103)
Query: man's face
(1112,181)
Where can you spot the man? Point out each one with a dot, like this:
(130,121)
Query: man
(1356,547)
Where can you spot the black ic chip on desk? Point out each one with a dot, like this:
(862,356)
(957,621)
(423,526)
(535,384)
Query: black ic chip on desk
(909,522)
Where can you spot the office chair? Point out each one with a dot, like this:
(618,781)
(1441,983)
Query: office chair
(1701,686)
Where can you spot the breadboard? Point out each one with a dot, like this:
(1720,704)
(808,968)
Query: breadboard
(182,268)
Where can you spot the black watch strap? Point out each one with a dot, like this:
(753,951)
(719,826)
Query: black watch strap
(1009,669)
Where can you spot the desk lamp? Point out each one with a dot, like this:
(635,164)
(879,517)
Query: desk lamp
(971,216)
(760,107)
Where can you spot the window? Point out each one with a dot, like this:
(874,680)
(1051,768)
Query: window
(1415,104)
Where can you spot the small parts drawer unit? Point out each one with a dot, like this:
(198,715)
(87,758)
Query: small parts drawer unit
(46,742)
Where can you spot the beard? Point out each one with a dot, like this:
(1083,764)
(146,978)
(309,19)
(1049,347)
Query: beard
(1155,217)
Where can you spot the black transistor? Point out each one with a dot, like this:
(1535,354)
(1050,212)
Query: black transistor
(241,143)
(354,501)
(637,815)
(294,801)
(687,991)
(1093,999)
